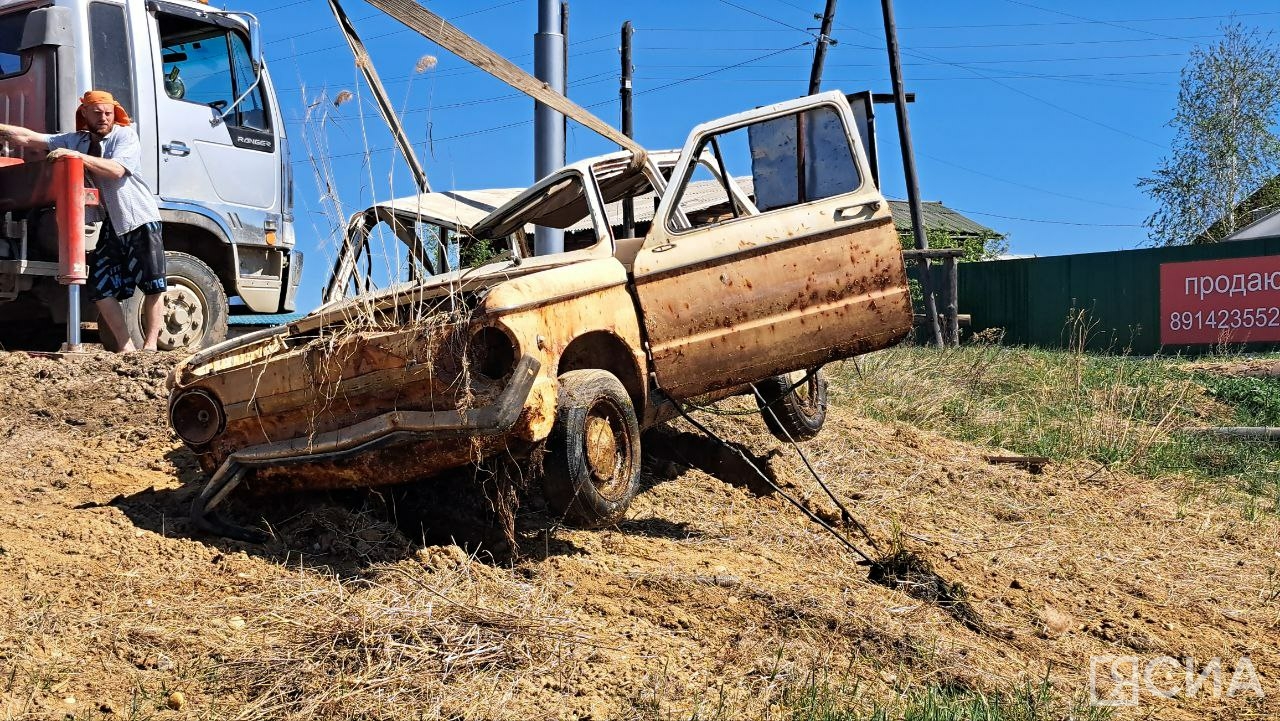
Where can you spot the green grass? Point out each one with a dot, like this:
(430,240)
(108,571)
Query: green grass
(1034,702)
(820,700)
(1255,400)
(1119,411)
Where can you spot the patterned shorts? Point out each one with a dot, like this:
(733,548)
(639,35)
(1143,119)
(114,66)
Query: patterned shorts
(120,263)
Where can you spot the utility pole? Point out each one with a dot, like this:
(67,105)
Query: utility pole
(909,168)
(628,203)
(548,123)
(820,52)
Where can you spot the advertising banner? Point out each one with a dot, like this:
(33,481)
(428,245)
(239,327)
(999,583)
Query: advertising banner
(1236,300)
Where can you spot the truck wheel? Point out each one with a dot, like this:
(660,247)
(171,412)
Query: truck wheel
(195,306)
(592,467)
(793,414)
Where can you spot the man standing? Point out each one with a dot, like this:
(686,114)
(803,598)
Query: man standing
(130,250)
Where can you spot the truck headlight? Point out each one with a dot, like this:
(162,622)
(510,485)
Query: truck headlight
(197,416)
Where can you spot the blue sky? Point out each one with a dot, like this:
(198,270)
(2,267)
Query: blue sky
(1034,118)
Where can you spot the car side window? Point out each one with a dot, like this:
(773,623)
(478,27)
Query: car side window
(780,163)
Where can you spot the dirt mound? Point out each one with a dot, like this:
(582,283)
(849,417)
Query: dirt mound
(714,598)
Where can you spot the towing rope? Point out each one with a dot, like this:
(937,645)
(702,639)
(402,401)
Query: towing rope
(778,489)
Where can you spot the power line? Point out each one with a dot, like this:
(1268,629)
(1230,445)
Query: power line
(1087,58)
(608,101)
(1051,222)
(1025,185)
(1021,76)
(984,25)
(398,31)
(767,17)
(1019,91)
(1091,20)
(469,69)
(1080,22)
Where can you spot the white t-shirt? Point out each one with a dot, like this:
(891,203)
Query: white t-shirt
(127,200)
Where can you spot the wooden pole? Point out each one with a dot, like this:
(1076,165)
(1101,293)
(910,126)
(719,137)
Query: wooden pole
(909,168)
(953,300)
(443,33)
(820,52)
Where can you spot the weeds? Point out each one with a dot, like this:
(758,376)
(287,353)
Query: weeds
(1118,411)
(820,698)
(1032,702)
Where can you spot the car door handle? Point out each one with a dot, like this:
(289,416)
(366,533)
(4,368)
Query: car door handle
(855,212)
(176,148)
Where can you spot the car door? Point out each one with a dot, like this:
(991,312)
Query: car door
(229,164)
(812,271)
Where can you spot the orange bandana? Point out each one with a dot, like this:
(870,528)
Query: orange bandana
(94,97)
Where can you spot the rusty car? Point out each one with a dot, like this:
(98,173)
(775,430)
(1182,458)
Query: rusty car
(770,251)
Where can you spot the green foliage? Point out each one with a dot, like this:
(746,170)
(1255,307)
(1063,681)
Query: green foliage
(476,252)
(1256,400)
(986,246)
(1224,148)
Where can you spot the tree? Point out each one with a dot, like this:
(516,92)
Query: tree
(1224,148)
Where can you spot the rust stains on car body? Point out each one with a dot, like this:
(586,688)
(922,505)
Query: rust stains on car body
(399,384)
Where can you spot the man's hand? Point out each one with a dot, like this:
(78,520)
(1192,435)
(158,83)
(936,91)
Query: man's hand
(22,137)
(61,153)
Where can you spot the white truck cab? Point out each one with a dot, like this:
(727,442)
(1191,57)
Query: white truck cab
(214,151)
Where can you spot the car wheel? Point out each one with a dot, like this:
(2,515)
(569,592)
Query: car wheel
(592,467)
(195,306)
(793,413)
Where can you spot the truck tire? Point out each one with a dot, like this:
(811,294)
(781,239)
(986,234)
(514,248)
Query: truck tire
(793,413)
(592,467)
(195,306)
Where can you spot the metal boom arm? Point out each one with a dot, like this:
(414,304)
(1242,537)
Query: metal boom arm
(380,94)
(440,31)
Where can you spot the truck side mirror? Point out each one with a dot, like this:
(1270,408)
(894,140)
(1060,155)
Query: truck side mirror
(255,58)
(48,26)
(255,42)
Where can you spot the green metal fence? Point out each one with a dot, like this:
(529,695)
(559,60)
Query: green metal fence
(1033,299)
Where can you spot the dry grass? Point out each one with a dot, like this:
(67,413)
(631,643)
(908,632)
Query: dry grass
(1122,413)
(710,600)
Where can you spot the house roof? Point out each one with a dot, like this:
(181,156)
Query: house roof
(937,217)
(1268,226)
(1256,210)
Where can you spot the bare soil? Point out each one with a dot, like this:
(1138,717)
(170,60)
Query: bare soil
(713,598)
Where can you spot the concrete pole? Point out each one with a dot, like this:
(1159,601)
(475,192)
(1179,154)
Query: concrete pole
(628,204)
(548,125)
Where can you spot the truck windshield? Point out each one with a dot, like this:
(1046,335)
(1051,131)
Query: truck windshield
(11,25)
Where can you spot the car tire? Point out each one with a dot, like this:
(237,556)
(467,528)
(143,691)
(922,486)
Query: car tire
(592,467)
(793,414)
(195,306)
